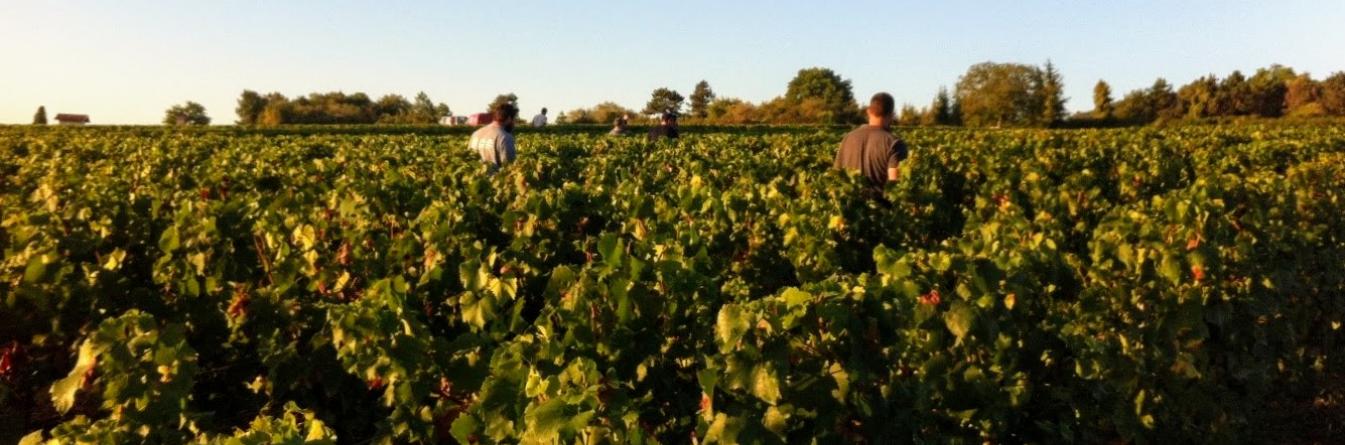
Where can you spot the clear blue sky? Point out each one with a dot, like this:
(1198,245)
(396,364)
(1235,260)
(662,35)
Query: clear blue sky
(124,62)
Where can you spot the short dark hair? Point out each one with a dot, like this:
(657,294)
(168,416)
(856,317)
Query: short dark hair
(543,110)
(505,112)
(882,104)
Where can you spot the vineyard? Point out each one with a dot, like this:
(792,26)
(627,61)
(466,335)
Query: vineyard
(1102,286)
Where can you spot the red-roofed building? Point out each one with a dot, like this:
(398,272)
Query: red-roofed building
(72,119)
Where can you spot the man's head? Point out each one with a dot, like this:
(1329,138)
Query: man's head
(544,111)
(505,115)
(881,110)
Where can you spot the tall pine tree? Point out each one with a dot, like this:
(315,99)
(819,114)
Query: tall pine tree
(1102,101)
(942,108)
(1052,91)
(701,98)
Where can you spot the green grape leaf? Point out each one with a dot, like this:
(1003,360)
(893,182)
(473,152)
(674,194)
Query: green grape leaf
(959,320)
(731,325)
(775,421)
(464,427)
(724,429)
(1171,268)
(547,419)
(169,241)
(37,267)
(34,438)
(765,383)
(64,390)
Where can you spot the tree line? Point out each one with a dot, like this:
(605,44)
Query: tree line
(1271,92)
(337,108)
(814,96)
(988,95)
(1010,95)
(1017,95)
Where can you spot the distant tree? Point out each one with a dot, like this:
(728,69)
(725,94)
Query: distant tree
(1147,105)
(250,107)
(607,112)
(427,111)
(1200,97)
(1302,97)
(336,108)
(732,111)
(941,111)
(395,109)
(603,113)
(719,107)
(1301,91)
(1235,96)
(1052,95)
(580,116)
(502,99)
(664,100)
(1135,108)
(1000,94)
(1164,101)
(832,97)
(1333,94)
(329,108)
(782,110)
(562,119)
(928,117)
(355,108)
(277,111)
(910,116)
(956,114)
(359,99)
(701,98)
(391,105)
(1102,101)
(40,118)
(1267,90)
(190,113)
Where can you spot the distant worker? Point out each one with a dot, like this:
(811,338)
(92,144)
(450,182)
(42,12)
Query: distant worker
(619,126)
(495,142)
(872,149)
(539,120)
(667,128)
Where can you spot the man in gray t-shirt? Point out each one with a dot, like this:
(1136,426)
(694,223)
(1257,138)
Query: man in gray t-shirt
(495,142)
(872,149)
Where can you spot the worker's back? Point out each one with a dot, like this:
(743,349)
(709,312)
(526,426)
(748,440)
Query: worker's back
(494,144)
(871,150)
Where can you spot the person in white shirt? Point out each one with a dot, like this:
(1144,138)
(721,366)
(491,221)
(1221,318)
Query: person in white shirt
(495,142)
(539,120)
